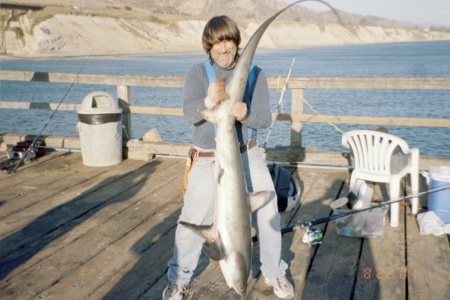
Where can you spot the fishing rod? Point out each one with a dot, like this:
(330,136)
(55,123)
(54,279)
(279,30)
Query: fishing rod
(279,103)
(314,236)
(32,148)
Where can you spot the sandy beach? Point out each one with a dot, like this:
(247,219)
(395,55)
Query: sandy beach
(67,35)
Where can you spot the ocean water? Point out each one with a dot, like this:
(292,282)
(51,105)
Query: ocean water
(390,60)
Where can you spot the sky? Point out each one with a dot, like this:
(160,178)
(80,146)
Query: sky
(419,12)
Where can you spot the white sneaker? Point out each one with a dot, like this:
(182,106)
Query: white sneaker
(175,291)
(282,288)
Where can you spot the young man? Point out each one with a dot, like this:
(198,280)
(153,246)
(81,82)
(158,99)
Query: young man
(221,39)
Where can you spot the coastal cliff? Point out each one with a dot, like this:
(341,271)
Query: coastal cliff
(69,35)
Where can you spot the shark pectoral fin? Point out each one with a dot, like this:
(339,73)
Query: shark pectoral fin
(212,246)
(259,199)
(205,231)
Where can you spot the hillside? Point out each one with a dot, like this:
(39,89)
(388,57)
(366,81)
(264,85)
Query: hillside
(107,27)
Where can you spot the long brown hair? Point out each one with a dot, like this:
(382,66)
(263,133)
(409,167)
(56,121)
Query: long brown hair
(218,29)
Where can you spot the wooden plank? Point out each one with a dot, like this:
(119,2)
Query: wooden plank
(425,162)
(366,82)
(156,110)
(39,105)
(130,259)
(296,125)
(162,148)
(333,271)
(307,157)
(295,118)
(428,267)
(126,80)
(40,231)
(22,175)
(177,81)
(152,264)
(324,188)
(397,121)
(56,189)
(39,173)
(380,272)
(258,289)
(27,174)
(93,232)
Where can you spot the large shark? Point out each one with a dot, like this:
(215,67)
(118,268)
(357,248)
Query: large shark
(228,239)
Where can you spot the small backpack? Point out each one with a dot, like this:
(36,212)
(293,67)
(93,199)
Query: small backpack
(286,186)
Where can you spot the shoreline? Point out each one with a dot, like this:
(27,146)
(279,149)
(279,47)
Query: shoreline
(174,53)
(72,36)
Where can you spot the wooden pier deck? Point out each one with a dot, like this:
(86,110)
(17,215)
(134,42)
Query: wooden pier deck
(68,231)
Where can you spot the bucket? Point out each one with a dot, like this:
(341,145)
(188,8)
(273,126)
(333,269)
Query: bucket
(439,201)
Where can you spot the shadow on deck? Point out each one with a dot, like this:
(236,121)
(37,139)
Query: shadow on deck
(69,231)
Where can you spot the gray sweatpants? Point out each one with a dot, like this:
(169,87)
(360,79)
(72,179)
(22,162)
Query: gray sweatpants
(199,209)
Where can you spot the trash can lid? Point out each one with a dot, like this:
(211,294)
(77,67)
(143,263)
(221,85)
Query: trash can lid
(99,103)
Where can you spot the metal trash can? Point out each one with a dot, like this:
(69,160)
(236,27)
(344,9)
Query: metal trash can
(100,129)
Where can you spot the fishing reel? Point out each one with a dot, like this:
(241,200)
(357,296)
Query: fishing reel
(313,236)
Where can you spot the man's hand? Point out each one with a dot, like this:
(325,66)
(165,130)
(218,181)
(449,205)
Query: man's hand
(216,91)
(239,110)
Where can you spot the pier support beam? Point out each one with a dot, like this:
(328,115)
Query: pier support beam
(296,127)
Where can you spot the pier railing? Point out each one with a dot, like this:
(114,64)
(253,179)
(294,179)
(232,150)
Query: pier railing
(297,117)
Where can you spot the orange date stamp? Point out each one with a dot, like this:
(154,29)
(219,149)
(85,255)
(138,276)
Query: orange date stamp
(388,273)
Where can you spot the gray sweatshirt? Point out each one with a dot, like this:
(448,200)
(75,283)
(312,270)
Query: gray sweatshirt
(195,91)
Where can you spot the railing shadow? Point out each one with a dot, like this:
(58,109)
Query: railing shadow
(19,247)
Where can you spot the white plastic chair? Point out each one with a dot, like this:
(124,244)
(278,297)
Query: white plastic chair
(383,157)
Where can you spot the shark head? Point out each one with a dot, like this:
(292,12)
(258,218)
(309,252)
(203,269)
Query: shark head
(236,272)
